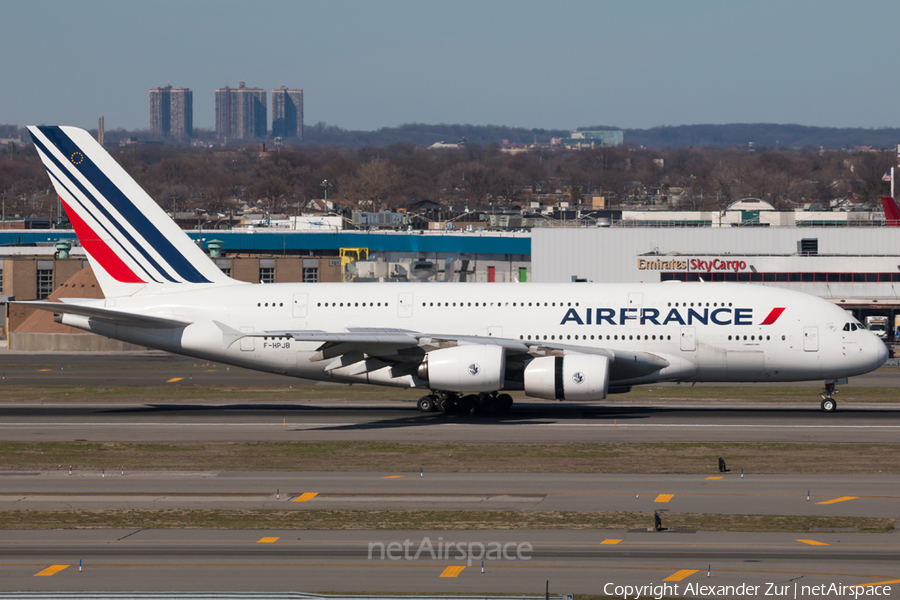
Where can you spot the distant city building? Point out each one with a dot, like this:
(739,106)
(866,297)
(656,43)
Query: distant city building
(172,112)
(287,113)
(593,139)
(241,113)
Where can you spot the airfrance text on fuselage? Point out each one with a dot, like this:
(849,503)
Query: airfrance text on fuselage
(652,316)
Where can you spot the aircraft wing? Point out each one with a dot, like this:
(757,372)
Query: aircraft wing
(116,317)
(398,347)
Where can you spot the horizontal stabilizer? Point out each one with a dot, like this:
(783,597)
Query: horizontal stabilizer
(116,317)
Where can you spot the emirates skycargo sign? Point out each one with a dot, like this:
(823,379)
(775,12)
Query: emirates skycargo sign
(694,264)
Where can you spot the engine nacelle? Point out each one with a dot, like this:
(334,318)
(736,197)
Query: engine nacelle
(475,368)
(569,377)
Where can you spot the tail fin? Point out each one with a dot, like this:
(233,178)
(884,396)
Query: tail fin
(891,211)
(133,246)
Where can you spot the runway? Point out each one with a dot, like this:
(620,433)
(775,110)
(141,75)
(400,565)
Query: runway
(156,368)
(574,561)
(362,561)
(727,493)
(531,421)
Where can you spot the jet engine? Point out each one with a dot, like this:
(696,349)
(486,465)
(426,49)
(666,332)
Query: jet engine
(569,377)
(470,368)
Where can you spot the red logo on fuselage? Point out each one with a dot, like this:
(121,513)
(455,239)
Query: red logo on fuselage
(773,316)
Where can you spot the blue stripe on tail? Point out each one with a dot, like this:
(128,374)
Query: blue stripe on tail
(127,209)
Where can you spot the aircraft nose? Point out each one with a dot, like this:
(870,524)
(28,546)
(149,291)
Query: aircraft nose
(879,352)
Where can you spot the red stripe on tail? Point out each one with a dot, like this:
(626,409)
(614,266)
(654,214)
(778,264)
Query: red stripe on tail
(773,316)
(891,211)
(99,250)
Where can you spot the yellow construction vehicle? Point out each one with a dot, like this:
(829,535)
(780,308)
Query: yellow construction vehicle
(349,255)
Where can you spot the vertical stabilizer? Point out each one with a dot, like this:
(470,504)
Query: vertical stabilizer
(891,211)
(133,246)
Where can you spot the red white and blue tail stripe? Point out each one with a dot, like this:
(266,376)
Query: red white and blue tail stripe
(133,246)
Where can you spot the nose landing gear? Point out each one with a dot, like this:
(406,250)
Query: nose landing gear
(829,404)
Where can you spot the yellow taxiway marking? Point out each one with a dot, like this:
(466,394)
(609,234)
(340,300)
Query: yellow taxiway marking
(452,571)
(813,542)
(874,584)
(836,500)
(268,540)
(43,370)
(428,566)
(174,379)
(393,476)
(51,570)
(610,542)
(664,497)
(679,575)
(719,477)
(305,497)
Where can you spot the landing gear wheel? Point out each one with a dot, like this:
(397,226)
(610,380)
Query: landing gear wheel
(489,405)
(426,403)
(448,403)
(505,402)
(828,402)
(467,403)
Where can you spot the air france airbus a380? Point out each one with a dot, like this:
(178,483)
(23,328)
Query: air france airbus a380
(465,343)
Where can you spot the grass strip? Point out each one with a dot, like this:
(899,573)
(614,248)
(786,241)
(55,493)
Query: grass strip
(426,520)
(474,457)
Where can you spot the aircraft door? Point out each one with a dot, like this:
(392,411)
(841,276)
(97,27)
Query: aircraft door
(300,303)
(688,339)
(404,305)
(811,339)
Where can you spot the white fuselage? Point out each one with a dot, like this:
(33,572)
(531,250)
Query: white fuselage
(706,331)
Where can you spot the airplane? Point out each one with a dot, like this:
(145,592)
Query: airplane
(466,344)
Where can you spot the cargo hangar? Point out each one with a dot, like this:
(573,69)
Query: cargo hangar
(857,268)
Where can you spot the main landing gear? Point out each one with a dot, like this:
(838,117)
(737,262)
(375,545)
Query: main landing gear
(829,404)
(451,403)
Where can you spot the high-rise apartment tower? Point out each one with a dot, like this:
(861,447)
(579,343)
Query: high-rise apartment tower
(241,113)
(287,113)
(172,112)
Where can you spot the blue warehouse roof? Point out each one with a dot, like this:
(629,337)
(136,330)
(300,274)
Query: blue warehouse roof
(270,241)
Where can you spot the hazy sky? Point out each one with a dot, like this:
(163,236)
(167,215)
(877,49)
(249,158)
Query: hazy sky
(377,63)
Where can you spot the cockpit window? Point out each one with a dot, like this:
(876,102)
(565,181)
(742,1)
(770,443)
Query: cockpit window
(846,326)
